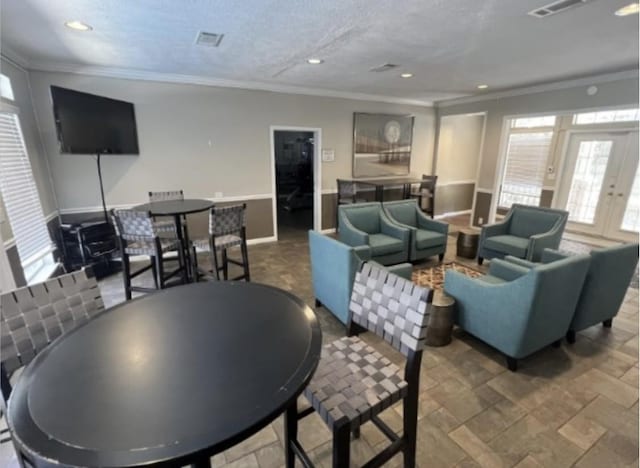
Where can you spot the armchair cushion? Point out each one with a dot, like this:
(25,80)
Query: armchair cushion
(508,244)
(365,217)
(381,244)
(490,279)
(426,239)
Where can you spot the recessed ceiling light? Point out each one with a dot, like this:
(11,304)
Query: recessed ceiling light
(630,9)
(315,61)
(406,75)
(78,26)
(483,86)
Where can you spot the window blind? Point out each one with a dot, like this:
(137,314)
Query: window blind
(20,194)
(527,155)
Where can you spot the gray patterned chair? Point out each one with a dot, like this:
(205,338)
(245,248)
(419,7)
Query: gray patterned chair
(226,230)
(354,383)
(33,316)
(138,235)
(168,225)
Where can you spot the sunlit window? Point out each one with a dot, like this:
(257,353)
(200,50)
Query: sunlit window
(531,122)
(6,91)
(623,115)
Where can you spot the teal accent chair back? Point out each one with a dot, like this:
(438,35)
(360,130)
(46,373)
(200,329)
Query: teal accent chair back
(428,237)
(333,269)
(604,289)
(524,233)
(519,310)
(368,224)
(610,272)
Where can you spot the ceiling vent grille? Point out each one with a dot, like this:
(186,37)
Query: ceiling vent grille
(556,7)
(208,39)
(384,68)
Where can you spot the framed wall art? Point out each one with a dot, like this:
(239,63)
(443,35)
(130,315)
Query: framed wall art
(381,144)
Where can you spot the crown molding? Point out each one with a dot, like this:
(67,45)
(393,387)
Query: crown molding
(14,57)
(143,75)
(553,86)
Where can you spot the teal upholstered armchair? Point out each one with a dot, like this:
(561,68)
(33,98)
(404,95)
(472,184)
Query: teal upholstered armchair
(524,233)
(428,237)
(333,269)
(608,278)
(367,224)
(519,310)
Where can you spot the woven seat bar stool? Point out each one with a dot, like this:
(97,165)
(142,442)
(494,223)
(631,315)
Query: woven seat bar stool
(33,316)
(168,225)
(226,230)
(137,235)
(426,190)
(354,383)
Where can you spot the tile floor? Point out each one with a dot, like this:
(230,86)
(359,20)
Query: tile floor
(573,406)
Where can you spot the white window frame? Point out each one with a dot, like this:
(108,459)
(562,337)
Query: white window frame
(508,130)
(40,266)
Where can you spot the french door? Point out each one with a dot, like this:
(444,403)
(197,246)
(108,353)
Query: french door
(600,185)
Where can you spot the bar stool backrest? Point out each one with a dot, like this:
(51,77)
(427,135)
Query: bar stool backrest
(346,189)
(33,316)
(134,225)
(391,307)
(226,220)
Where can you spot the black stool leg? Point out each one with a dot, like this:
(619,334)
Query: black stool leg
(245,261)
(225,265)
(183,263)
(410,429)
(154,271)
(214,263)
(571,336)
(160,267)
(341,446)
(126,276)
(607,323)
(290,433)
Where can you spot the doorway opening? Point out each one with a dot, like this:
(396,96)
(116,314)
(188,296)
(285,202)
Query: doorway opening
(294,153)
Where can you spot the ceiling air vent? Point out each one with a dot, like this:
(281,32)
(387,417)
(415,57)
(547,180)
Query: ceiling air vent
(556,7)
(384,68)
(209,39)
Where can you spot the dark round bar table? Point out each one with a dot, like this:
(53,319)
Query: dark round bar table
(178,209)
(168,379)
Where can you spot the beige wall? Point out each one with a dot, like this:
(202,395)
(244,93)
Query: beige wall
(20,84)
(205,139)
(622,92)
(458,147)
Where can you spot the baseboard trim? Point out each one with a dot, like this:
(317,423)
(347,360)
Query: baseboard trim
(328,231)
(452,213)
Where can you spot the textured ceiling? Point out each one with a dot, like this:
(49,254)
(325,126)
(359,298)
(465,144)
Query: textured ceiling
(449,45)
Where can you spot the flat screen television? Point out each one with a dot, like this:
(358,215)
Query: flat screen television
(90,124)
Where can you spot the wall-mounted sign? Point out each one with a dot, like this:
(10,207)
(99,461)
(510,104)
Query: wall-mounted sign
(328,155)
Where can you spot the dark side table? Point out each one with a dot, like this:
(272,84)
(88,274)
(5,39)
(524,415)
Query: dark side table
(467,244)
(440,319)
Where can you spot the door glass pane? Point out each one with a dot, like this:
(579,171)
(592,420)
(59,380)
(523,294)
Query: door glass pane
(588,175)
(631,219)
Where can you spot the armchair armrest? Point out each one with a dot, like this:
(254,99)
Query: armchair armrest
(539,242)
(497,229)
(363,252)
(394,230)
(520,261)
(428,224)
(350,235)
(550,255)
(506,270)
(403,270)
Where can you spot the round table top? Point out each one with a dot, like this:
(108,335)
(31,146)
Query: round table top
(167,378)
(176,207)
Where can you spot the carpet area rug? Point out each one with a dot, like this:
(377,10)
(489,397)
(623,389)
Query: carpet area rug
(433,277)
